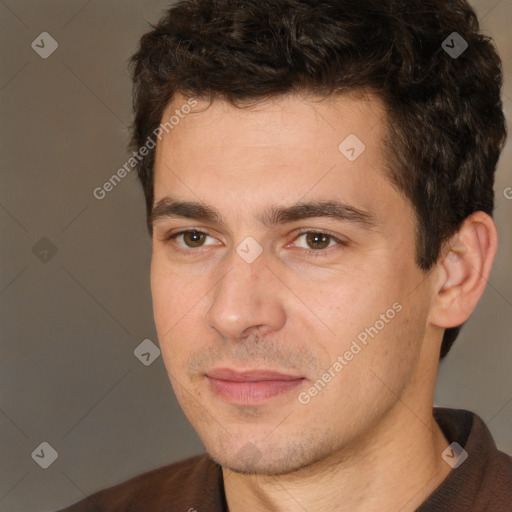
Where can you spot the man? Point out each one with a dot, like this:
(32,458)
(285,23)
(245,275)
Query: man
(318,180)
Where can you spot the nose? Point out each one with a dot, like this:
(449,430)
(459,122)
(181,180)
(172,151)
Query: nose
(248,298)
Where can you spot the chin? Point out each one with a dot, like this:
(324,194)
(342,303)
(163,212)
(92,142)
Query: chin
(249,460)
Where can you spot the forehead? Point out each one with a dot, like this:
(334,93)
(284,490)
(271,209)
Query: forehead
(278,151)
(282,121)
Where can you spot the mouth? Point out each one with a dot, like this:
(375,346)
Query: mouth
(250,387)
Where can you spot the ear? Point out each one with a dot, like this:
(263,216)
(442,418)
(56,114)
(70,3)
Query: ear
(463,271)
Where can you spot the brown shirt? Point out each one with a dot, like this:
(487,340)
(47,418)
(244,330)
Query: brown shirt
(483,482)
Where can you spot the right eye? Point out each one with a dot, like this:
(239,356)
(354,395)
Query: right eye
(189,239)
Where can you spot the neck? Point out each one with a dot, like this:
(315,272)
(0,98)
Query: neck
(395,467)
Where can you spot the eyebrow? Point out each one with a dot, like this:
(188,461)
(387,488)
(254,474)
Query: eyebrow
(274,215)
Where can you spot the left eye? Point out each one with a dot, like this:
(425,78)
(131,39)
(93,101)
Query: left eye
(318,240)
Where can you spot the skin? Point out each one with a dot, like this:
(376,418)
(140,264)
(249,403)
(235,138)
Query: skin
(367,441)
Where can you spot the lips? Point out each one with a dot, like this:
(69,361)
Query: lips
(250,387)
(248,376)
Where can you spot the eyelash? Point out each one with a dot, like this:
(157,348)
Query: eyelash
(310,252)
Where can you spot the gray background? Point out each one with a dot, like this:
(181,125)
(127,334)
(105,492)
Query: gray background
(70,324)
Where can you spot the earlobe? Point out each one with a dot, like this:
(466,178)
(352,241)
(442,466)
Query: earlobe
(464,268)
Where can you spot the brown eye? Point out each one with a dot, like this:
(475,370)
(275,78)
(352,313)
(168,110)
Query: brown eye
(318,240)
(188,240)
(193,238)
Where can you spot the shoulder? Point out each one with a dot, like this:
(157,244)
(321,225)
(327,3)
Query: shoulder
(500,474)
(181,485)
(483,479)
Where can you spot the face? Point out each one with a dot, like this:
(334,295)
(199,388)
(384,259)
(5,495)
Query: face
(278,247)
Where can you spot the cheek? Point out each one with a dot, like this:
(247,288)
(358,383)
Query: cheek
(174,294)
(369,375)
(176,305)
(346,303)
(374,316)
